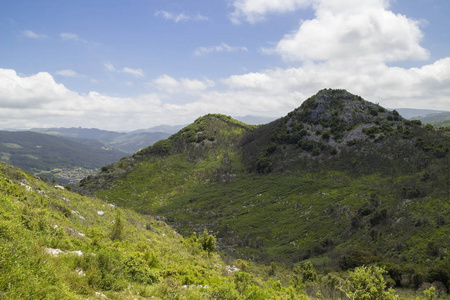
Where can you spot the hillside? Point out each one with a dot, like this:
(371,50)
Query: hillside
(55,244)
(51,156)
(339,181)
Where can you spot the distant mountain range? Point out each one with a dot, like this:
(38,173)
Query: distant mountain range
(49,156)
(127,142)
(413,113)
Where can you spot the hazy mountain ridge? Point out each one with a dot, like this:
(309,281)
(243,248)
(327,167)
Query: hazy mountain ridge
(48,156)
(414,113)
(122,141)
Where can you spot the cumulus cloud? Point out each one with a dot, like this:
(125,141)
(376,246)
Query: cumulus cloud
(221,48)
(367,33)
(344,46)
(67,73)
(29,92)
(32,35)
(181,17)
(425,87)
(39,101)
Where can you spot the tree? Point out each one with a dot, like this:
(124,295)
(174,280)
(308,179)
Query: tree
(117,231)
(307,271)
(366,283)
(207,241)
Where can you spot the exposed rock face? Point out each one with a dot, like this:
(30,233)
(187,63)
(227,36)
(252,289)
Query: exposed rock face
(335,116)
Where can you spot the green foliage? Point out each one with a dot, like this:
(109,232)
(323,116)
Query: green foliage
(356,257)
(207,241)
(117,230)
(280,193)
(366,283)
(430,293)
(99,249)
(307,271)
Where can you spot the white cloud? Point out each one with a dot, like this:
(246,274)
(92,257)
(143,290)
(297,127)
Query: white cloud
(40,101)
(425,87)
(29,92)
(109,67)
(221,48)
(181,17)
(357,33)
(170,85)
(67,73)
(135,72)
(344,46)
(32,35)
(254,11)
(70,36)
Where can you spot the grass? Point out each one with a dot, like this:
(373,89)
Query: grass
(107,251)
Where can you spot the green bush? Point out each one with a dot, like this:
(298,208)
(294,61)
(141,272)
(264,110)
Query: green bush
(366,283)
(207,241)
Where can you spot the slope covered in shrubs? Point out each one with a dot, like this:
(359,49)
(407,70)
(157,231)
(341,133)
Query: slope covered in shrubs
(339,181)
(55,244)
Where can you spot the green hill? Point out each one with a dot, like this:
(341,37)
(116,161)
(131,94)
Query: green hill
(55,244)
(339,181)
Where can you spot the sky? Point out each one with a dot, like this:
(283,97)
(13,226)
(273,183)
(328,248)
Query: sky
(129,64)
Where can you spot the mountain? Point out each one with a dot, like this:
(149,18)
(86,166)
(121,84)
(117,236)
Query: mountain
(51,156)
(55,244)
(121,141)
(81,133)
(170,129)
(439,120)
(339,181)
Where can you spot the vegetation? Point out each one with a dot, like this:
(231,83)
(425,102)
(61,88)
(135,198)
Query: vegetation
(339,182)
(340,199)
(55,244)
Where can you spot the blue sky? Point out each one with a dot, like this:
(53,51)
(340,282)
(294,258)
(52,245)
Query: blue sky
(124,65)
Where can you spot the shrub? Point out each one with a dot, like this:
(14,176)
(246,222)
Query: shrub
(117,230)
(366,283)
(138,269)
(207,241)
(307,271)
(356,257)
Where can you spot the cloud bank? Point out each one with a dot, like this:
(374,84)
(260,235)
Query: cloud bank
(354,47)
